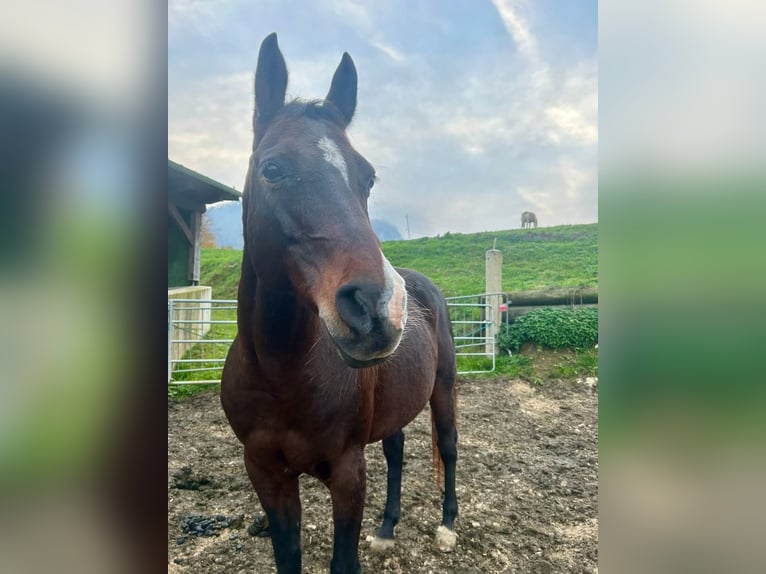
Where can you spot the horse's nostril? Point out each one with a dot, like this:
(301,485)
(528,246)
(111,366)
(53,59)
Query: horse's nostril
(357,305)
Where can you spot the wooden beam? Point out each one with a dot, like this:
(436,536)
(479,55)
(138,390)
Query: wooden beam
(194,252)
(561,296)
(176,215)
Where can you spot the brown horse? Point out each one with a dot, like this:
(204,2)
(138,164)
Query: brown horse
(336,348)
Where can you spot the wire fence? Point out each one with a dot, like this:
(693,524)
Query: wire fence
(475,320)
(200,332)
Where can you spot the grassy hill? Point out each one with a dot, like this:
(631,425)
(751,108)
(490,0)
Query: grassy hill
(220,269)
(563,256)
(548,257)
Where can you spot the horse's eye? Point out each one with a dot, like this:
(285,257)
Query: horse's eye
(272,172)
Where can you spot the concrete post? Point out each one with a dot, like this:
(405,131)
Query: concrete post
(493,280)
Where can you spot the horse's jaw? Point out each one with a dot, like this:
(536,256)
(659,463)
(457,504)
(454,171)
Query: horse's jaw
(362,351)
(356,363)
(368,351)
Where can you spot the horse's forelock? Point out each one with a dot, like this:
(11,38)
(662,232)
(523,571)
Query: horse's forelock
(314,110)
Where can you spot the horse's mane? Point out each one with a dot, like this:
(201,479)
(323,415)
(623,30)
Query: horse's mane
(312,109)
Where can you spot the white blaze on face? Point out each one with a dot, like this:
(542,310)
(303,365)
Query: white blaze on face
(334,157)
(394,296)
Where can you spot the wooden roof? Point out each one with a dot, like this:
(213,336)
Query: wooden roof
(188,186)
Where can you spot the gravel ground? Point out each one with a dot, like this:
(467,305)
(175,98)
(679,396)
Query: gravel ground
(527,485)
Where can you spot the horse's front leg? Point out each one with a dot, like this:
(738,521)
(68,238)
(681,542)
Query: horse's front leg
(280,498)
(347,483)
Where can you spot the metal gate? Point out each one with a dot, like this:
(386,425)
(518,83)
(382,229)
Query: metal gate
(474,326)
(200,332)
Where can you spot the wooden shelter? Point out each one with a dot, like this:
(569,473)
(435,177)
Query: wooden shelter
(189,193)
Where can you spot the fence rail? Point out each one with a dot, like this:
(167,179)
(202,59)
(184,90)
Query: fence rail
(473,318)
(200,332)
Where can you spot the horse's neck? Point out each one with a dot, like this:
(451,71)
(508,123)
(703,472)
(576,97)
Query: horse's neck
(274,324)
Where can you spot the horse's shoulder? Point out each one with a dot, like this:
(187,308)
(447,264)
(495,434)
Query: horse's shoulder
(418,284)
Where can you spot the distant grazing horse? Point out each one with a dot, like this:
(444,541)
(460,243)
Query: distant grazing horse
(527,219)
(335,348)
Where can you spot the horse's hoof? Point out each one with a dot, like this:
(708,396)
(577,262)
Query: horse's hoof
(446,539)
(378,544)
(260,526)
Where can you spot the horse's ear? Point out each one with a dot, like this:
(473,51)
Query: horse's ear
(342,92)
(270,81)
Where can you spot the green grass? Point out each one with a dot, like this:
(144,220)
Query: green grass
(182,391)
(477,364)
(204,351)
(538,365)
(516,367)
(548,257)
(581,364)
(220,269)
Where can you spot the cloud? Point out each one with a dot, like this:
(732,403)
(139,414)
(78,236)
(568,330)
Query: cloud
(355,13)
(392,53)
(566,193)
(567,122)
(209,126)
(362,19)
(470,115)
(203,17)
(518,29)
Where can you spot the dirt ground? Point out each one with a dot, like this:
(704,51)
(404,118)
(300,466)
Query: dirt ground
(527,486)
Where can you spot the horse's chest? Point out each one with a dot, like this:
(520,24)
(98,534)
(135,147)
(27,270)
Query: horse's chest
(294,448)
(299,434)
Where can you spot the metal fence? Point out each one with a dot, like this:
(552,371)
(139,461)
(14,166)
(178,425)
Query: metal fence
(474,326)
(200,332)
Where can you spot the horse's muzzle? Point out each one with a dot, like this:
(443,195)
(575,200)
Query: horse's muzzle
(373,320)
(357,304)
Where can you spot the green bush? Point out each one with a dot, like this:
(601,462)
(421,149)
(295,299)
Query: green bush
(552,328)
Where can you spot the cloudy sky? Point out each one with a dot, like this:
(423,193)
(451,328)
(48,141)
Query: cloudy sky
(471,111)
